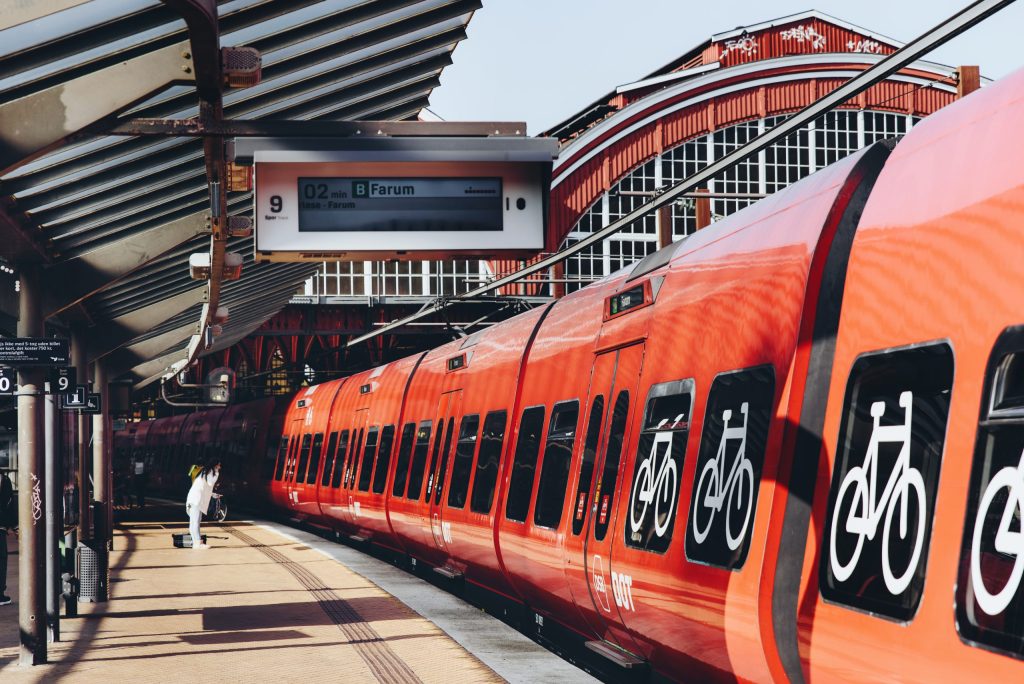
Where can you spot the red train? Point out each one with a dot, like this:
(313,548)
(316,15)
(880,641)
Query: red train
(786,447)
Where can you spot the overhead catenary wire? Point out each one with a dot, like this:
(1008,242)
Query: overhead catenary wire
(912,51)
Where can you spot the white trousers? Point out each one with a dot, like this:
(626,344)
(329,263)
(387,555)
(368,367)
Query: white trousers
(194,515)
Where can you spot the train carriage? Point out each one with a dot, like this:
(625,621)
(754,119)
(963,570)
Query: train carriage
(904,570)
(787,447)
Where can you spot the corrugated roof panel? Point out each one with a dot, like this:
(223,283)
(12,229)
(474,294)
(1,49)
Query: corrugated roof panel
(330,60)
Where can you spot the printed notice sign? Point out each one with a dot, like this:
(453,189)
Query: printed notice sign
(34,351)
(400,204)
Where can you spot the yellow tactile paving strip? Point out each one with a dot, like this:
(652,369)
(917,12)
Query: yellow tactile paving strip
(254,608)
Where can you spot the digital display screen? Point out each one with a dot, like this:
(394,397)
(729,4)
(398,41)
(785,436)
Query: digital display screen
(399,204)
(624,301)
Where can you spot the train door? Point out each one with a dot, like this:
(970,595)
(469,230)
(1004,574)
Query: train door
(355,456)
(617,374)
(447,420)
(301,445)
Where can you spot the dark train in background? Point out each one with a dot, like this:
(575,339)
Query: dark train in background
(789,446)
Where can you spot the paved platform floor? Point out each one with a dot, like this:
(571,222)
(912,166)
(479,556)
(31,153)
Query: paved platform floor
(270,604)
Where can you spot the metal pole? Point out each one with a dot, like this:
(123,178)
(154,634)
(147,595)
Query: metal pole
(54,513)
(31,474)
(100,460)
(917,48)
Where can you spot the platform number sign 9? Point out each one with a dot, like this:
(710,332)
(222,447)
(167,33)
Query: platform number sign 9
(8,384)
(62,380)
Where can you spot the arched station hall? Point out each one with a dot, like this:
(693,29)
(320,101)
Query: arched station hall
(617,152)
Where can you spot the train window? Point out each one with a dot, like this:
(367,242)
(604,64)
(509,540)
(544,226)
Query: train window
(438,438)
(487,461)
(554,471)
(282,455)
(442,471)
(369,453)
(339,459)
(293,446)
(419,460)
(658,467)
(404,453)
(989,598)
(354,454)
(462,467)
(524,464)
(610,473)
(380,472)
(332,445)
(586,479)
(300,471)
(314,458)
(728,470)
(884,479)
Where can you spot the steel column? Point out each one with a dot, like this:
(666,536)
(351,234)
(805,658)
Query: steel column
(31,539)
(54,478)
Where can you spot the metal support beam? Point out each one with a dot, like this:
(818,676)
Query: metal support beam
(54,513)
(35,124)
(92,272)
(909,53)
(270,128)
(31,475)
(204,33)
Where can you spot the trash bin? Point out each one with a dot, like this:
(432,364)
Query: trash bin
(93,572)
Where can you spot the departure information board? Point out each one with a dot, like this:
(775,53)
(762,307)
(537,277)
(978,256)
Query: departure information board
(391,204)
(414,197)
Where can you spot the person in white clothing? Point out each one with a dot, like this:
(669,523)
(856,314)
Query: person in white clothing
(198,500)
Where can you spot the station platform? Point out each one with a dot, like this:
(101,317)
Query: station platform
(268,603)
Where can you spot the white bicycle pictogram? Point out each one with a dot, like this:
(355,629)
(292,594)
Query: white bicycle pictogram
(867,506)
(658,489)
(1006,541)
(715,488)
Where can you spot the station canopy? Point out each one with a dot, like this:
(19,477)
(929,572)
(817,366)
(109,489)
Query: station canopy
(112,219)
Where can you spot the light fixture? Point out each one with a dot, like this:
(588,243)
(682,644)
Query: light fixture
(199,266)
(239,226)
(232,266)
(220,315)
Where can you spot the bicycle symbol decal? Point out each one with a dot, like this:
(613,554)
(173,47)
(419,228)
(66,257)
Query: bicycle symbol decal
(734,490)
(1006,542)
(868,505)
(656,483)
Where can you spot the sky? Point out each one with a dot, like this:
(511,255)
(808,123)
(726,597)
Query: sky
(541,61)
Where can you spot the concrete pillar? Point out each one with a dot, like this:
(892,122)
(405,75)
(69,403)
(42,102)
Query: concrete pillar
(101,461)
(54,511)
(31,476)
(83,431)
